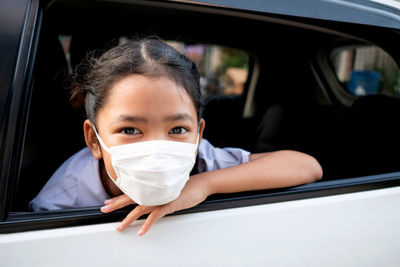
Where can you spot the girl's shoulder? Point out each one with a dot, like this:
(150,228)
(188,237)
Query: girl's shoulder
(213,158)
(76,183)
(73,167)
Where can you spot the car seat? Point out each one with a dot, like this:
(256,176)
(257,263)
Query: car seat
(375,134)
(312,129)
(348,142)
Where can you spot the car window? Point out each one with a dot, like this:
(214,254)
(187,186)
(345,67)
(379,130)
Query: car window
(366,70)
(223,70)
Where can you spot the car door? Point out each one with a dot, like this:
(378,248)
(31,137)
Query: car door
(349,221)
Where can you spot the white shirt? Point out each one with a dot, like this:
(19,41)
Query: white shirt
(76,183)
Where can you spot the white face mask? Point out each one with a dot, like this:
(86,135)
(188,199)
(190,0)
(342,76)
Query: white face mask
(154,172)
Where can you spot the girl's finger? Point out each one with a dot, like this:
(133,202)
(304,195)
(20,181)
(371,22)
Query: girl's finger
(133,216)
(116,203)
(154,216)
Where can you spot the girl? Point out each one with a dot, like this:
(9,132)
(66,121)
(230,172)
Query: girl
(144,135)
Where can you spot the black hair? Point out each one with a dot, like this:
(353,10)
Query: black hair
(150,57)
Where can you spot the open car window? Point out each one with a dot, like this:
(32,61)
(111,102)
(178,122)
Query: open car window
(366,70)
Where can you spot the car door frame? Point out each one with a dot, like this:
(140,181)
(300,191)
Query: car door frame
(19,51)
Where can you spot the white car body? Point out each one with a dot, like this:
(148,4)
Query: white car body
(356,229)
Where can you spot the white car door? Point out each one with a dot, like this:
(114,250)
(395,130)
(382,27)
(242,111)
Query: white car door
(355,229)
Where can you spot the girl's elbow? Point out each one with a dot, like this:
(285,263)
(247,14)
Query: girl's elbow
(309,168)
(314,172)
(316,175)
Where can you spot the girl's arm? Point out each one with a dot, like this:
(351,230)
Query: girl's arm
(266,170)
(263,171)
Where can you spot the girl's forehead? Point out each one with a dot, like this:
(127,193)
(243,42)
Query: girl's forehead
(148,96)
(142,85)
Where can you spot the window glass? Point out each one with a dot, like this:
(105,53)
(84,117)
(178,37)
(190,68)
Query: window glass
(223,70)
(65,41)
(366,70)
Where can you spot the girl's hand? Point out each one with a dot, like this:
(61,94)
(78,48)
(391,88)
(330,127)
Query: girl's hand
(195,191)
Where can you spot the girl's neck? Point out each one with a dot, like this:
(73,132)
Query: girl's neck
(110,187)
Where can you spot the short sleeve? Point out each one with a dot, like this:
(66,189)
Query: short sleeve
(214,158)
(75,184)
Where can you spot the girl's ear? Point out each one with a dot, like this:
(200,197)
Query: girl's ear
(201,130)
(91,140)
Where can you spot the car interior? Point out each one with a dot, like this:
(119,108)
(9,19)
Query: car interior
(293,102)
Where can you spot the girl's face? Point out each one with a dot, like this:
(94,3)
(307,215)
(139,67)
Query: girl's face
(140,108)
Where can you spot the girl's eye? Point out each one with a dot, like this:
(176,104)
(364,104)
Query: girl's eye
(130,131)
(178,130)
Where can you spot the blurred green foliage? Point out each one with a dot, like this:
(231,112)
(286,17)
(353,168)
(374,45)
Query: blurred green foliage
(233,58)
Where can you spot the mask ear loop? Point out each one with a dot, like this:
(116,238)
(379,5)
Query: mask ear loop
(108,150)
(198,135)
(101,141)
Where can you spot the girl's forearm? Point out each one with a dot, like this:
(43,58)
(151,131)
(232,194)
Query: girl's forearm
(264,171)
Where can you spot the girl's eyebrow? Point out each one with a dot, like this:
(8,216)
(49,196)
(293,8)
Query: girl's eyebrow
(129,118)
(133,118)
(178,117)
